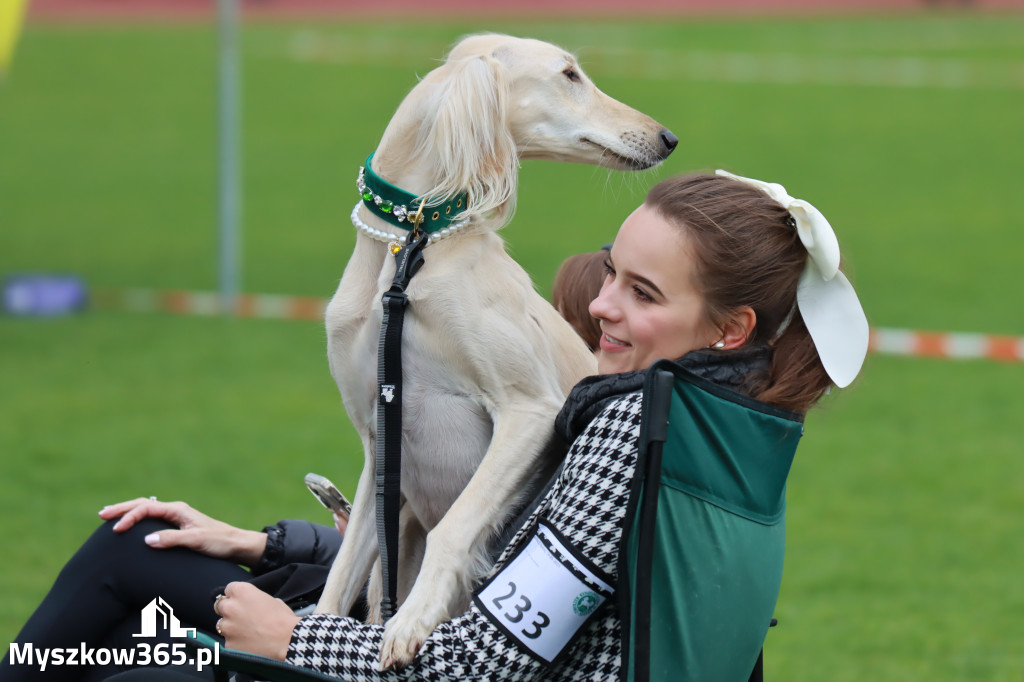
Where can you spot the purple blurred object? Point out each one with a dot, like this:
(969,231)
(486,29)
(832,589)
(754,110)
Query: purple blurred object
(43,295)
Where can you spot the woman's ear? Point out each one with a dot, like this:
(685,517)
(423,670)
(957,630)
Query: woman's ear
(739,327)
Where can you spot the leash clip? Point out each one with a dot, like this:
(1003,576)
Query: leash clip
(416,219)
(408,261)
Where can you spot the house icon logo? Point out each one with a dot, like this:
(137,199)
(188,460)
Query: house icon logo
(159,613)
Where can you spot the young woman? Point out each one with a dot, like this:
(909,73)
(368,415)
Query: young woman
(733,277)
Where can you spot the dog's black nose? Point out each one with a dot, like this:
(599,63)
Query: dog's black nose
(668,141)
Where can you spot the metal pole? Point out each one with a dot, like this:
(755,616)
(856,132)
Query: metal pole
(229,194)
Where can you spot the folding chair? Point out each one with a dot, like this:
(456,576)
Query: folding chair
(700,564)
(252,666)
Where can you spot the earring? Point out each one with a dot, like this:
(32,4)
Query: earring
(719,345)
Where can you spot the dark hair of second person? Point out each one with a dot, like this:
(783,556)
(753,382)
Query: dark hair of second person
(577,283)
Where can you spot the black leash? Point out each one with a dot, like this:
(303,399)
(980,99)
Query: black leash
(408,260)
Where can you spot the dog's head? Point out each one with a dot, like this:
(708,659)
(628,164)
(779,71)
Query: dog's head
(498,99)
(555,112)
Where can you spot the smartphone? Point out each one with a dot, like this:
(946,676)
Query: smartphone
(329,496)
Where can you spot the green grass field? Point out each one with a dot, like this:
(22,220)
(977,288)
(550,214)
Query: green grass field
(906,513)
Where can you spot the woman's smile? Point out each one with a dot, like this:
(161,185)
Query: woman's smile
(611,344)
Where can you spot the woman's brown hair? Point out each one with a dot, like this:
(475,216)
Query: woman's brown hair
(748,253)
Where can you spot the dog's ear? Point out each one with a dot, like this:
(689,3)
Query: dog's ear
(466,130)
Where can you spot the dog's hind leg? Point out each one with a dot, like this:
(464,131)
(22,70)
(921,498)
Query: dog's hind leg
(358,550)
(412,542)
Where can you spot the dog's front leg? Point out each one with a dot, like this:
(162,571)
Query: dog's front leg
(456,548)
(358,550)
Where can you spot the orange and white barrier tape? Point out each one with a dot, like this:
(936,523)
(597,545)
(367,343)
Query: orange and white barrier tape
(954,345)
(884,341)
(209,303)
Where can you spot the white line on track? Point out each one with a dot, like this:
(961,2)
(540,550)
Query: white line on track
(703,66)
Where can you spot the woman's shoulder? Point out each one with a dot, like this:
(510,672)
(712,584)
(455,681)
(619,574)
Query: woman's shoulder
(591,397)
(620,411)
(615,427)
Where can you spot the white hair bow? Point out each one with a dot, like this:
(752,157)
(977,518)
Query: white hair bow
(826,299)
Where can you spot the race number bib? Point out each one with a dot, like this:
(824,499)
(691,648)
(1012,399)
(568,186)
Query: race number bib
(544,596)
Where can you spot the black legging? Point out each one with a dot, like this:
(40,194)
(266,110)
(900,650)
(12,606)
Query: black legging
(98,597)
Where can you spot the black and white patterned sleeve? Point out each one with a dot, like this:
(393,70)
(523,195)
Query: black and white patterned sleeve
(585,509)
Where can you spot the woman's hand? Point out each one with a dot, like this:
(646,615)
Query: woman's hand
(340,522)
(196,531)
(251,620)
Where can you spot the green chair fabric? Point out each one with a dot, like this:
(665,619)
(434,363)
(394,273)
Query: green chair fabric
(705,530)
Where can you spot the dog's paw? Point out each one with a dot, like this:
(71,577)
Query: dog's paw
(404,635)
(395,655)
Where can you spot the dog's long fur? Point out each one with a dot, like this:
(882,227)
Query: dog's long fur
(487,361)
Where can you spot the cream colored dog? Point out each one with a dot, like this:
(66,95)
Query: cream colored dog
(487,361)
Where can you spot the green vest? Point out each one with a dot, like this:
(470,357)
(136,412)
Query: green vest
(701,557)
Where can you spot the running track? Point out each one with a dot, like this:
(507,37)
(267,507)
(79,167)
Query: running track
(142,10)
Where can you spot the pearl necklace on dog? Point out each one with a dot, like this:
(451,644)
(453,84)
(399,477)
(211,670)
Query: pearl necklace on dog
(391,237)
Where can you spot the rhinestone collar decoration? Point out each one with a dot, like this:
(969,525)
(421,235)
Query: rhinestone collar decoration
(404,209)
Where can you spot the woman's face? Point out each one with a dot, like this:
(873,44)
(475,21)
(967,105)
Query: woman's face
(648,307)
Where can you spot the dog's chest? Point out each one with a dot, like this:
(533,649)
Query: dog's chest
(437,385)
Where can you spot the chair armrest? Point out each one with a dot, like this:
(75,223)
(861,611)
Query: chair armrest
(260,667)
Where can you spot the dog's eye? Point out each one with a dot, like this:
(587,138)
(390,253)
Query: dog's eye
(572,74)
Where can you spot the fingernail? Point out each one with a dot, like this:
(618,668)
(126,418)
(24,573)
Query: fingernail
(153,539)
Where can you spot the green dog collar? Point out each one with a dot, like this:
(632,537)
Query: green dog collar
(404,209)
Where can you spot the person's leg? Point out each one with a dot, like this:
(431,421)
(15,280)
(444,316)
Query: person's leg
(101,591)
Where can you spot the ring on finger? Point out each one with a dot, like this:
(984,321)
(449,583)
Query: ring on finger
(217,627)
(153,497)
(216,601)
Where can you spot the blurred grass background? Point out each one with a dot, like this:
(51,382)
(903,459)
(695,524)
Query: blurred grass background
(906,499)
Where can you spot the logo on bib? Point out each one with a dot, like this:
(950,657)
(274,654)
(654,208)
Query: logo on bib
(585,603)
